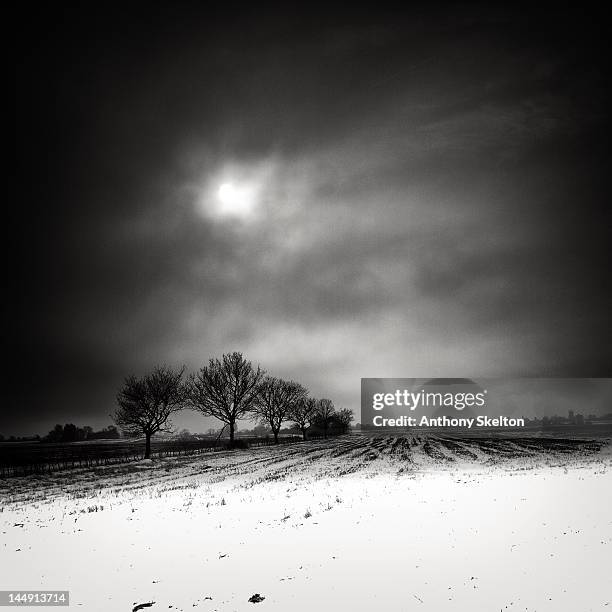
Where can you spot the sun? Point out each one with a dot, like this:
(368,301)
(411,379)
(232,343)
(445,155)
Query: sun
(235,195)
(235,201)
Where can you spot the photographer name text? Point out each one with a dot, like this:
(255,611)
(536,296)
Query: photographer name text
(444,421)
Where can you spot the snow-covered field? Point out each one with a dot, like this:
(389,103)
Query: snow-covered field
(355,523)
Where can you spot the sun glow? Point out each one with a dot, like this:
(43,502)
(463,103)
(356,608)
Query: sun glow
(234,194)
(235,201)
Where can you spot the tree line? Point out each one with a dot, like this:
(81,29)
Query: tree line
(228,389)
(72,433)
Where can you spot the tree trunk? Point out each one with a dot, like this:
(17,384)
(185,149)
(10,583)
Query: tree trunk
(148,446)
(304,433)
(275,432)
(325,430)
(231,428)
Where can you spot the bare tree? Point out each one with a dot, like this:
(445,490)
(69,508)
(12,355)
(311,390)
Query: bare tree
(324,412)
(342,420)
(303,413)
(275,400)
(146,404)
(225,389)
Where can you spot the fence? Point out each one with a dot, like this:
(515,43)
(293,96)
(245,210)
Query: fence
(25,458)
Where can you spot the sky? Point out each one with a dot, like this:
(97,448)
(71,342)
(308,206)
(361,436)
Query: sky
(337,196)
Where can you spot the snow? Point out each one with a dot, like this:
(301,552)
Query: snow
(320,526)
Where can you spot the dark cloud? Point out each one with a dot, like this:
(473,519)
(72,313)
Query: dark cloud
(431,198)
